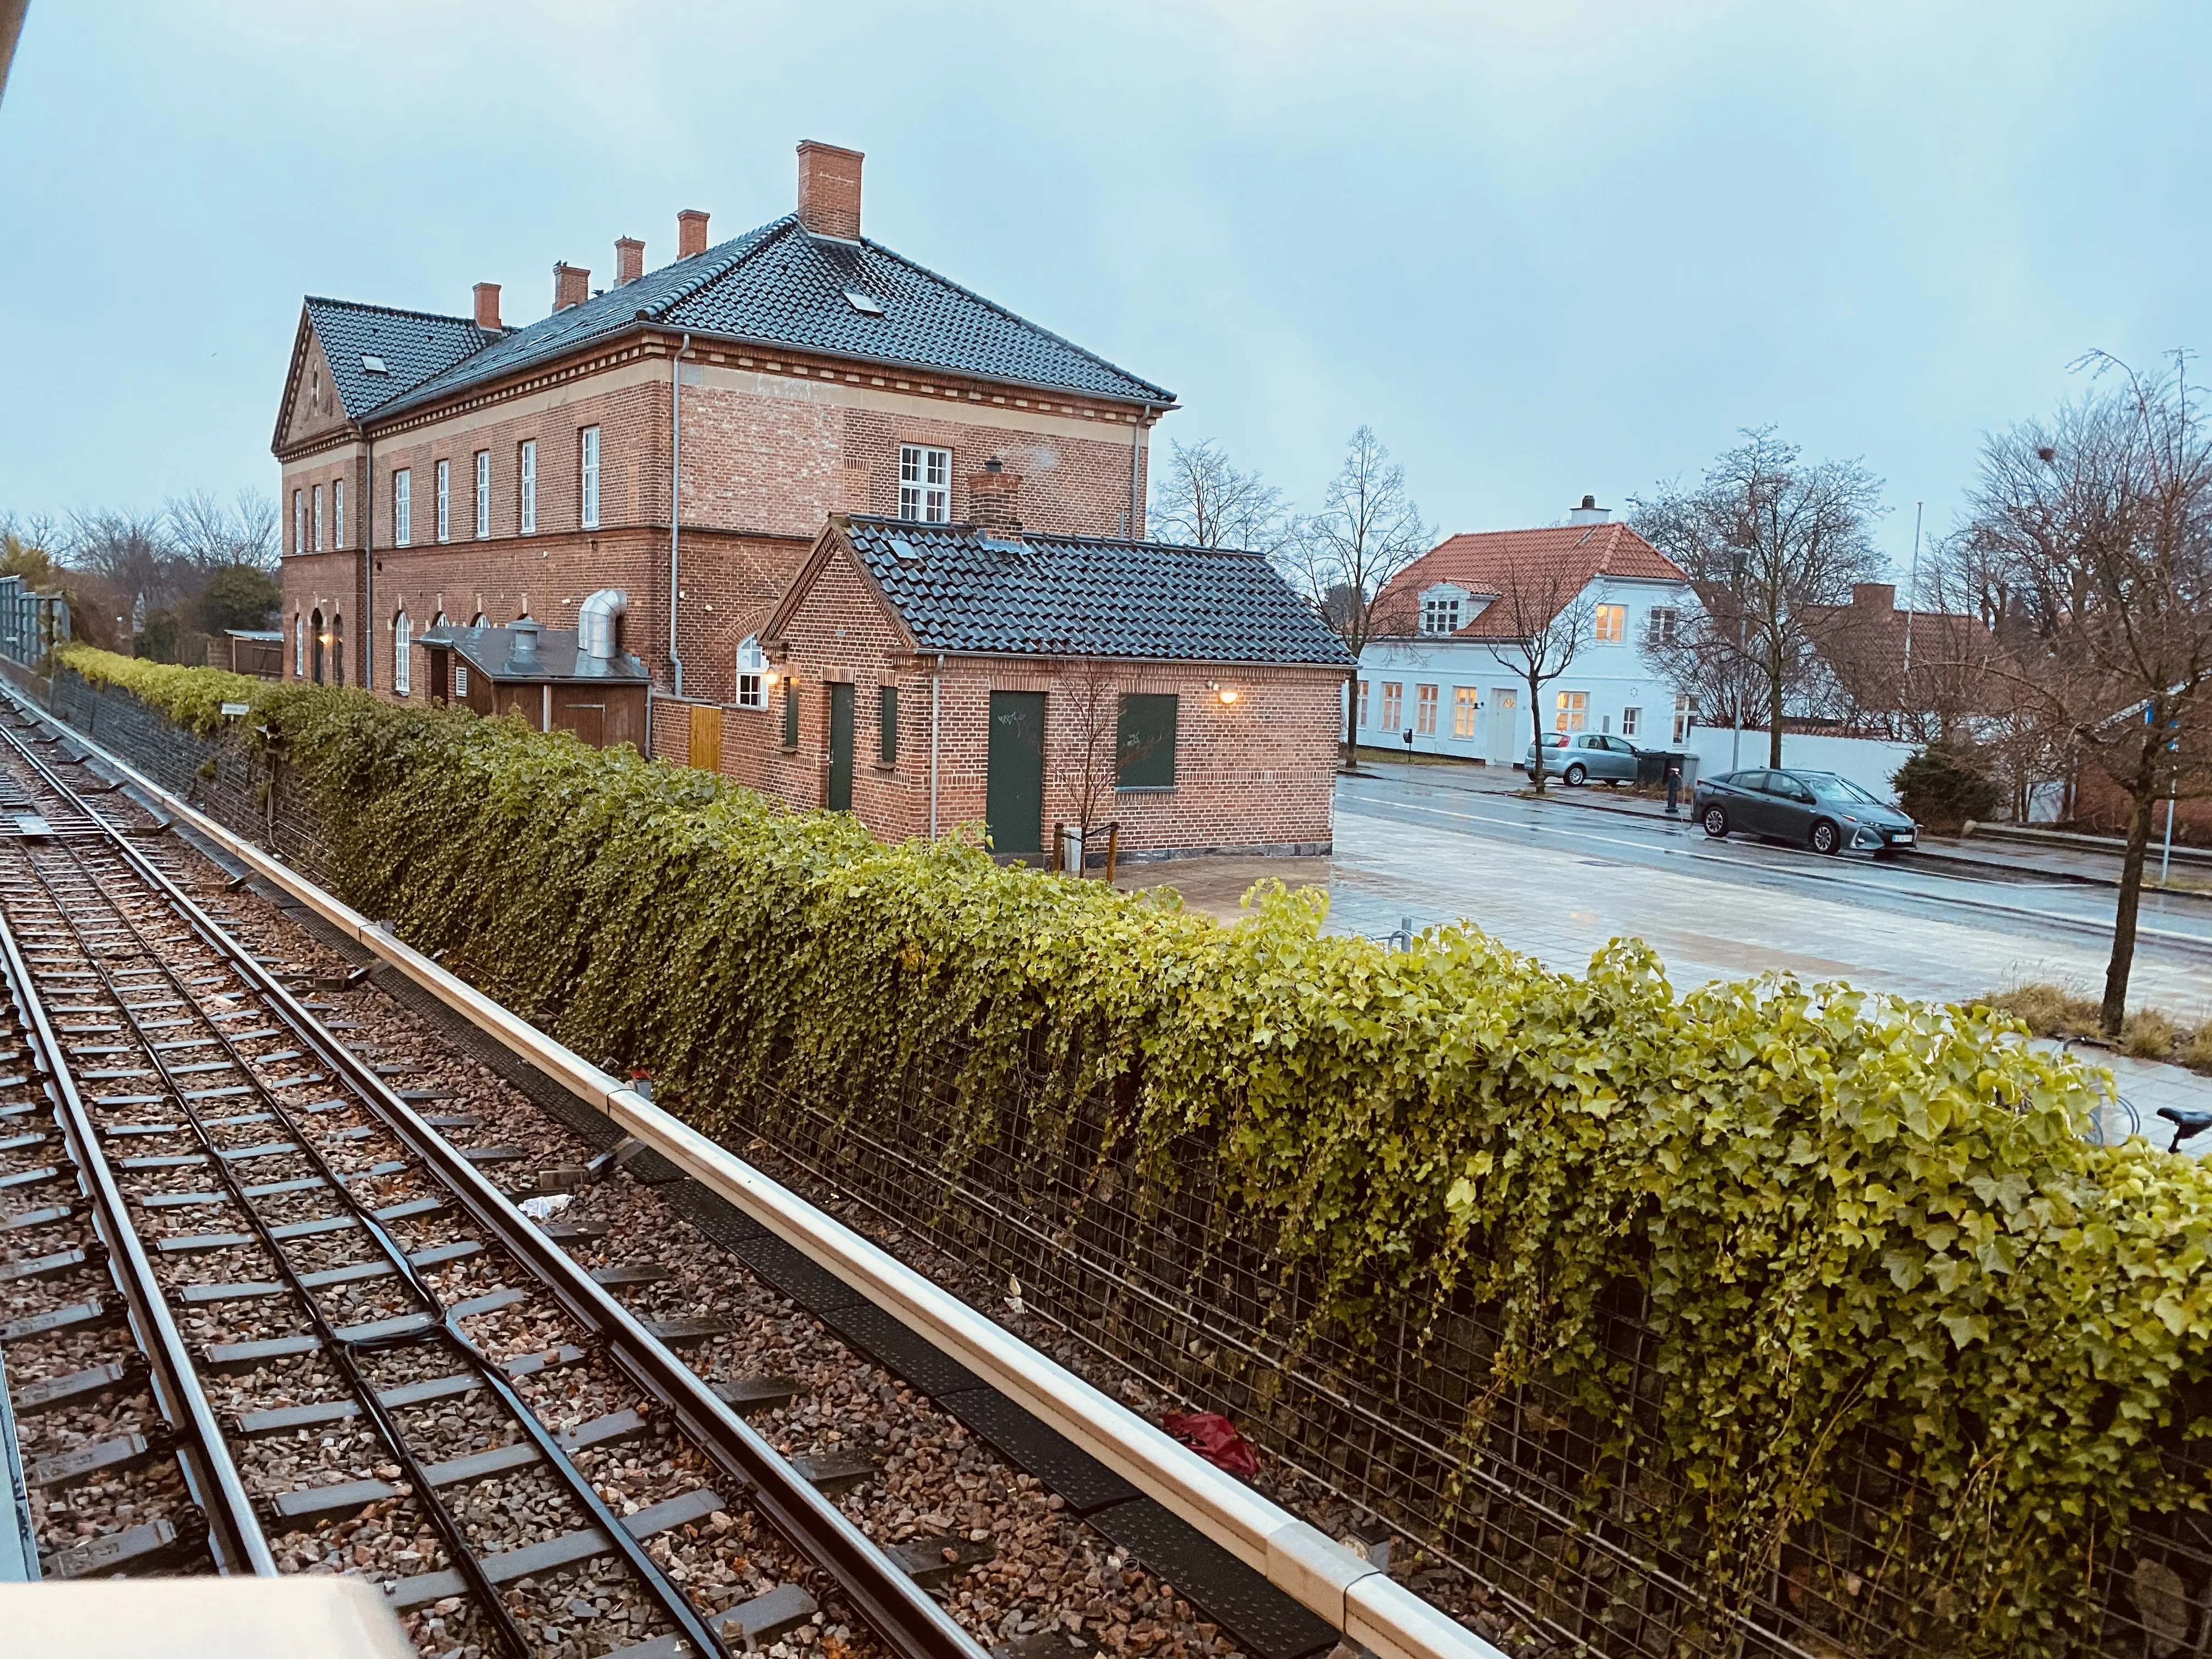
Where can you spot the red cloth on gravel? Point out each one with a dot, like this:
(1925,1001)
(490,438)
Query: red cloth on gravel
(1214,1438)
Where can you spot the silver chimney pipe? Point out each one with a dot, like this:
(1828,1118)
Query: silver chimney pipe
(595,623)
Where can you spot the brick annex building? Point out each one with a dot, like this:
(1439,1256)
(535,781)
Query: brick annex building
(699,436)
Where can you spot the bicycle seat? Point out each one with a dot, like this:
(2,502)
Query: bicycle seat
(2187,1125)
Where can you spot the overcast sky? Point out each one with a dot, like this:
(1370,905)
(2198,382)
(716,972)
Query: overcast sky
(1544,248)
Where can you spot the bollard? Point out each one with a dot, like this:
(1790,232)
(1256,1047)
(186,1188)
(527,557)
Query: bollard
(1673,791)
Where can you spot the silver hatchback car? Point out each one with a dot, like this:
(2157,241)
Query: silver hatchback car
(1579,757)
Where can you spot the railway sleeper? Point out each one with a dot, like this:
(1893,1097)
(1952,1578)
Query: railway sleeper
(551,1555)
(744,1627)
(153,1546)
(83,1463)
(50,1393)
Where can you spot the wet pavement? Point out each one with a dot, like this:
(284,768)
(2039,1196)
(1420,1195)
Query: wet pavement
(1561,881)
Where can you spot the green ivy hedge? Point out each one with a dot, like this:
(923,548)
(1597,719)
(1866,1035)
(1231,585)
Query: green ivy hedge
(1850,1211)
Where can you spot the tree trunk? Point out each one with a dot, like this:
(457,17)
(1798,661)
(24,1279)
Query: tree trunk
(2142,796)
(1536,721)
(1774,717)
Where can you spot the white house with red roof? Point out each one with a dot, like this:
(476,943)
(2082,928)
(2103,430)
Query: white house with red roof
(1445,670)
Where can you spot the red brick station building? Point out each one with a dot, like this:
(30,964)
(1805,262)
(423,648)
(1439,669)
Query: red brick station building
(869,541)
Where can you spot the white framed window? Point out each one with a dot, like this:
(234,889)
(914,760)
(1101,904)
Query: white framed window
(752,669)
(460,676)
(1440,615)
(526,470)
(403,669)
(588,478)
(1393,703)
(1466,704)
(337,512)
(298,644)
(402,517)
(1686,711)
(1632,722)
(1660,623)
(925,483)
(1571,711)
(319,517)
(1425,710)
(445,501)
(1609,624)
(1362,702)
(483,493)
(299,521)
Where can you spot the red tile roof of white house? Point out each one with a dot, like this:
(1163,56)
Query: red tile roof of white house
(1485,562)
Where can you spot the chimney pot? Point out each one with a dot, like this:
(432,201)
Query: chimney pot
(629,259)
(1589,511)
(488,306)
(572,285)
(690,232)
(994,500)
(829,190)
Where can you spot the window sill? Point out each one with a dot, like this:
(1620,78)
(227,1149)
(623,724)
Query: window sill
(1144,789)
(884,768)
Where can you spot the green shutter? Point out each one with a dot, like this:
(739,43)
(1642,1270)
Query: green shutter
(790,716)
(887,718)
(1143,742)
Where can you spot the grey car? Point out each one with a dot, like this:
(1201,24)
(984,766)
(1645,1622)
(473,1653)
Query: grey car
(1581,755)
(1819,810)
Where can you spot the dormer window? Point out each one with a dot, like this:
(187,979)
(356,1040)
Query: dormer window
(1440,614)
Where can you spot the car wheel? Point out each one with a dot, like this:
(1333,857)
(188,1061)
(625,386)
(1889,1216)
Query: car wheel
(1576,775)
(1826,838)
(1716,821)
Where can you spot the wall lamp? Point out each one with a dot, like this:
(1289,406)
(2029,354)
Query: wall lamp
(1228,693)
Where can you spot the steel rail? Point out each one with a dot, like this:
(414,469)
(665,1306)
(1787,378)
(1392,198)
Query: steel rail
(882,1594)
(234,1535)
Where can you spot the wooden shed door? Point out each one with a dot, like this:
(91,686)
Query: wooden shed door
(1013,790)
(706,737)
(840,748)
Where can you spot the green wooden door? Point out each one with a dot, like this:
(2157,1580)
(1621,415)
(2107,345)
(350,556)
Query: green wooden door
(1013,790)
(840,748)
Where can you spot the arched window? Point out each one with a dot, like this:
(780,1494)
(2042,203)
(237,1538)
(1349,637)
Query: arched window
(752,666)
(337,650)
(479,622)
(299,647)
(317,645)
(403,673)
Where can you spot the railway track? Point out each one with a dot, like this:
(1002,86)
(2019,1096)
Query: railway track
(248,1288)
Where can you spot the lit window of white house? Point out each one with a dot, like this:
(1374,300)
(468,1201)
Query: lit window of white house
(1609,624)
(319,517)
(403,516)
(1661,622)
(483,493)
(1362,702)
(1686,711)
(299,521)
(338,514)
(445,501)
(752,668)
(1425,710)
(403,670)
(527,471)
(587,492)
(1440,615)
(925,483)
(1393,703)
(1465,705)
(1571,711)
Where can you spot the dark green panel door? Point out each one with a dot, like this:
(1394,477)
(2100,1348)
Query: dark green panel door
(840,748)
(1013,790)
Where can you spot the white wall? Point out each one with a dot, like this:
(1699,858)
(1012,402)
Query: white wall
(1867,762)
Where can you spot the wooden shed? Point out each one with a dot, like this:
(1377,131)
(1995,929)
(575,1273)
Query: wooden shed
(542,674)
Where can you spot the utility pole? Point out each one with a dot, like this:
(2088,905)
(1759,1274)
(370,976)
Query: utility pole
(1912,588)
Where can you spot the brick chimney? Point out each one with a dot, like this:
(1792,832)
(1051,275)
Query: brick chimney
(829,190)
(690,232)
(629,259)
(572,285)
(488,306)
(995,500)
(1879,596)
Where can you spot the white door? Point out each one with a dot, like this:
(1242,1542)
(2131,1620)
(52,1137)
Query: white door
(1505,737)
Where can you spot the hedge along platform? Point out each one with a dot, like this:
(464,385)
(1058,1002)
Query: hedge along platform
(1272,1579)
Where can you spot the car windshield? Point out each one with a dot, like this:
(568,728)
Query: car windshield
(1828,787)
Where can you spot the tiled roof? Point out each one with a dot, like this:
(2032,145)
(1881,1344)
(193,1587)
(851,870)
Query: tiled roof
(779,286)
(1956,659)
(1558,559)
(413,345)
(491,651)
(958,590)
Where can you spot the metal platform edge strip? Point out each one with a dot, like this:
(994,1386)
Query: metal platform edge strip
(1352,1593)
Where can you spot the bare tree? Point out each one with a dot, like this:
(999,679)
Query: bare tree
(1202,500)
(1768,540)
(126,555)
(209,536)
(1546,612)
(2096,527)
(1343,556)
(1105,744)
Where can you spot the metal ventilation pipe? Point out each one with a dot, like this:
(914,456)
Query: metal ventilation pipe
(595,623)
